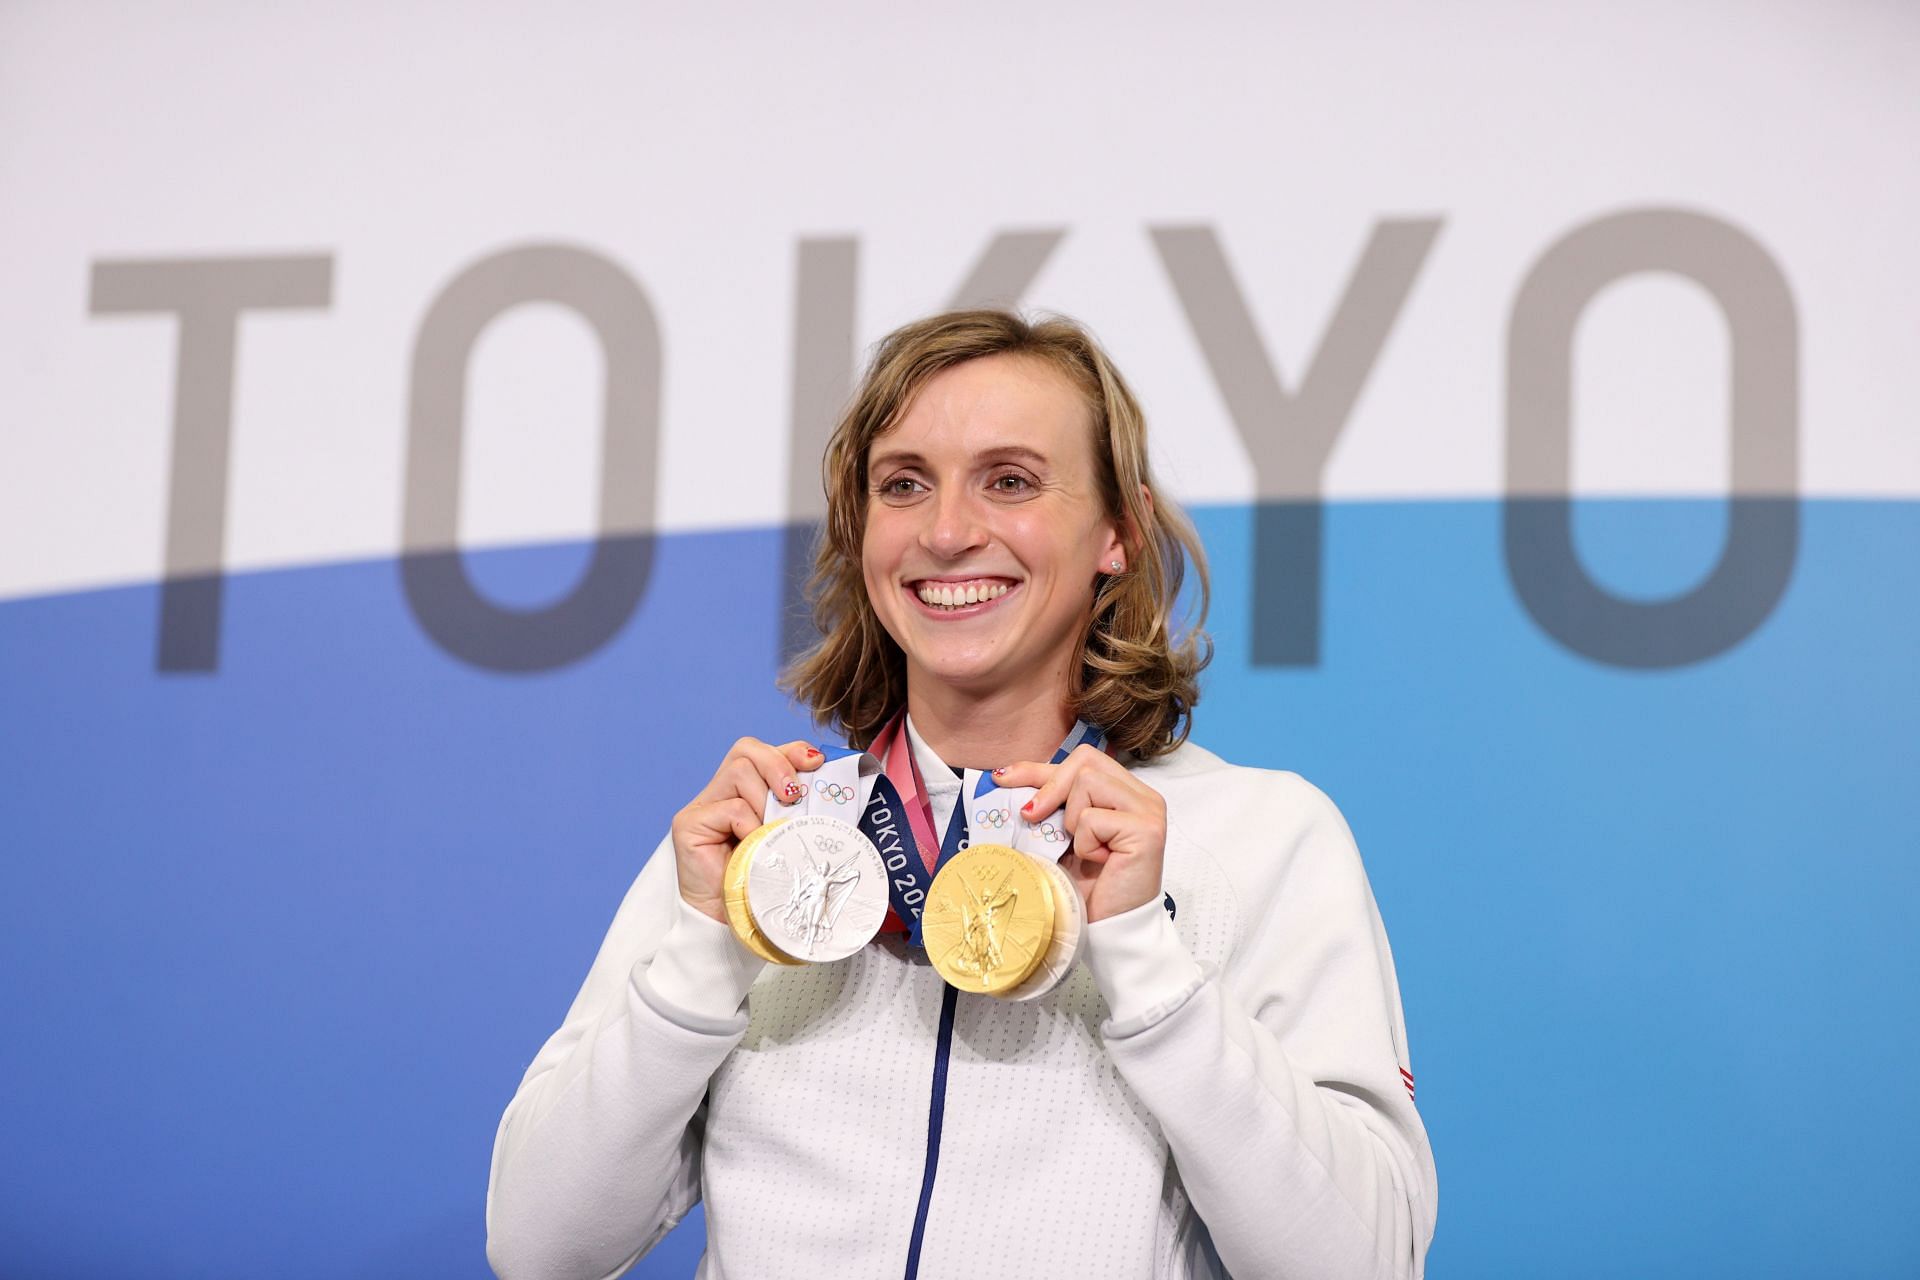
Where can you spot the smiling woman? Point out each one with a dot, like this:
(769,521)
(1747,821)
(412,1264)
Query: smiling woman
(1030,1041)
(988,457)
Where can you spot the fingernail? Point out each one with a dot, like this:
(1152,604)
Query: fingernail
(791,790)
(812,752)
(1027,807)
(997,772)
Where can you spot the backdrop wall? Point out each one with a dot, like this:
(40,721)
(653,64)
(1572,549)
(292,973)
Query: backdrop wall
(410,418)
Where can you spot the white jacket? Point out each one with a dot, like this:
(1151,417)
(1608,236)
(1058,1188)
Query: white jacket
(1237,1064)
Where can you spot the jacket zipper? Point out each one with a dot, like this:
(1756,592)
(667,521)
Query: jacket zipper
(936,1116)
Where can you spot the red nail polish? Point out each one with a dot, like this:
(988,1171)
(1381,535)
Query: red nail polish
(1027,807)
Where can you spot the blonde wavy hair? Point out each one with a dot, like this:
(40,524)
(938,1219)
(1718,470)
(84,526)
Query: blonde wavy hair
(1133,676)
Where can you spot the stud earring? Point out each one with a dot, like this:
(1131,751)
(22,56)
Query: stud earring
(1114,565)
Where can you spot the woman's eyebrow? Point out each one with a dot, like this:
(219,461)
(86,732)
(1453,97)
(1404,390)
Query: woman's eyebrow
(895,458)
(1014,453)
(991,454)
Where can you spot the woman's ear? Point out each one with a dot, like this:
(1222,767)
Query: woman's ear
(1125,537)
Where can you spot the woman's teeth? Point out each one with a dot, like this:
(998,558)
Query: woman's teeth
(942,596)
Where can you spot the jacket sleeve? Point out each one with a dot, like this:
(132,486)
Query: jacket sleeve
(1278,1082)
(598,1155)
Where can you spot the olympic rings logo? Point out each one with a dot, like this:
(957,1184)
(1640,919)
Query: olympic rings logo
(836,793)
(1051,834)
(995,818)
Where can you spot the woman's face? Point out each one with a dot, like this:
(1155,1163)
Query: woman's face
(985,528)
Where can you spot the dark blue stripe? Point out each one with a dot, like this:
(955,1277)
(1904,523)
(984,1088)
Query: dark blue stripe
(936,1115)
(956,834)
(907,883)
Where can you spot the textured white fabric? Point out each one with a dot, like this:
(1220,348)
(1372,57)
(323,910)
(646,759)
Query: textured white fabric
(1250,1083)
(943,784)
(700,967)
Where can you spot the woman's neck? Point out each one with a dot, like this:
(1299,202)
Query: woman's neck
(970,732)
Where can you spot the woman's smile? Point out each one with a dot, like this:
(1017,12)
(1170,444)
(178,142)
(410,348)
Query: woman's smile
(985,529)
(960,597)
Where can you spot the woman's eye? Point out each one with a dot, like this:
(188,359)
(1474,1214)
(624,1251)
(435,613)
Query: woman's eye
(900,487)
(1011,483)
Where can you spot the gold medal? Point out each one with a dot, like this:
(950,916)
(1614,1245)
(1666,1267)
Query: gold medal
(988,919)
(739,915)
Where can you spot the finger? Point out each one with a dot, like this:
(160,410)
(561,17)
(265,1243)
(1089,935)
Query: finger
(1046,779)
(776,766)
(726,779)
(1052,787)
(739,778)
(802,755)
(735,819)
(720,822)
(1090,788)
(742,819)
(1098,831)
(1024,773)
(1106,782)
(733,771)
(768,770)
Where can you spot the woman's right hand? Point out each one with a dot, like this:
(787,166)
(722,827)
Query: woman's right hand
(728,810)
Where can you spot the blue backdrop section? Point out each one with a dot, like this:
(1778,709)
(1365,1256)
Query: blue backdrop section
(279,941)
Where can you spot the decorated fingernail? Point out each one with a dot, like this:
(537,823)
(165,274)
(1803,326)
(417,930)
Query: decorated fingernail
(997,772)
(791,790)
(812,752)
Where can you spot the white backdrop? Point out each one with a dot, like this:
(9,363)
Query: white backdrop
(696,147)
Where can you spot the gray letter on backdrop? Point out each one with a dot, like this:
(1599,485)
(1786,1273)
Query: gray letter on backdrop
(208,295)
(1763,515)
(823,372)
(1290,434)
(442,596)
(823,321)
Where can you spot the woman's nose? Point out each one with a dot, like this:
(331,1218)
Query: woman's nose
(954,526)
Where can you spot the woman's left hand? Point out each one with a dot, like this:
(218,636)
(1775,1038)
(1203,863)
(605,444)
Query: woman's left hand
(1118,824)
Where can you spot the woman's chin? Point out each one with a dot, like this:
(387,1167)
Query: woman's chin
(968,671)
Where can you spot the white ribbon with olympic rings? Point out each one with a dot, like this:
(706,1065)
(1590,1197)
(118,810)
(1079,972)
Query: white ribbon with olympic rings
(840,788)
(994,817)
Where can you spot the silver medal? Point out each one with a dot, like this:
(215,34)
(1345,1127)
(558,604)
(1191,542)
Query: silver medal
(817,888)
(1069,927)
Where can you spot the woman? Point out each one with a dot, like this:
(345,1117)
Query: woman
(1220,1085)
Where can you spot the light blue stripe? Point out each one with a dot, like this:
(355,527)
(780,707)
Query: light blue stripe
(1653,928)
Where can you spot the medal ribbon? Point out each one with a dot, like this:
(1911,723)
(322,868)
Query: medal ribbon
(840,788)
(997,809)
(900,793)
